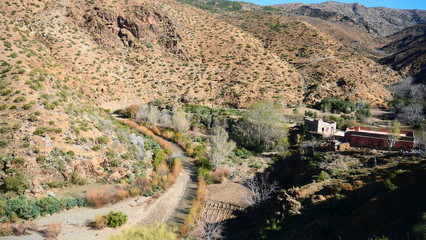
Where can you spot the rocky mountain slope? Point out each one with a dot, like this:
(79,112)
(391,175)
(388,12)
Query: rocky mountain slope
(408,52)
(61,60)
(379,20)
(328,66)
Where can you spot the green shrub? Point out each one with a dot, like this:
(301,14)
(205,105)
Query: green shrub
(242,153)
(159,157)
(76,179)
(309,113)
(96,148)
(419,229)
(322,176)
(204,173)
(19,99)
(17,183)
(40,131)
(388,185)
(48,205)
(4,143)
(57,184)
(102,140)
(18,161)
(70,203)
(116,219)
(22,208)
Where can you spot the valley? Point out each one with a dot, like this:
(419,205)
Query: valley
(195,119)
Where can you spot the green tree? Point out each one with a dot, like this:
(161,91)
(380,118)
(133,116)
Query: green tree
(394,134)
(263,128)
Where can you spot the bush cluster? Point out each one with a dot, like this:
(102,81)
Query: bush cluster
(32,208)
(115,219)
(112,220)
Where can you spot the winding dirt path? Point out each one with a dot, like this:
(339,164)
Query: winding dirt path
(171,207)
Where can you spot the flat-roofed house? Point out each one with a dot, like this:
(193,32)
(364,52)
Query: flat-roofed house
(317,125)
(378,138)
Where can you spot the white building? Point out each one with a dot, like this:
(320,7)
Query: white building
(327,129)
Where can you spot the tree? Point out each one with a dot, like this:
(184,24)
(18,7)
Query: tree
(165,118)
(310,144)
(411,113)
(394,134)
(420,137)
(153,115)
(143,112)
(219,148)
(205,230)
(149,113)
(181,121)
(260,189)
(262,126)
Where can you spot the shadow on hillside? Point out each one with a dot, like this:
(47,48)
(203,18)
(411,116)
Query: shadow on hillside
(364,213)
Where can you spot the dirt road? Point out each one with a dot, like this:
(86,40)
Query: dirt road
(171,207)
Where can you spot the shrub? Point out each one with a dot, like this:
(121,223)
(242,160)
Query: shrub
(57,184)
(134,191)
(419,229)
(204,173)
(40,131)
(100,221)
(388,185)
(159,157)
(220,173)
(22,208)
(129,112)
(76,179)
(309,113)
(99,197)
(242,153)
(18,161)
(143,184)
(6,229)
(102,140)
(176,167)
(159,231)
(48,205)
(116,219)
(322,176)
(17,183)
(121,194)
(53,230)
(70,203)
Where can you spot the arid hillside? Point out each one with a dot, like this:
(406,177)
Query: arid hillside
(330,68)
(61,60)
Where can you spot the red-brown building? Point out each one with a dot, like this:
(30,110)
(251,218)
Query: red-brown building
(377,138)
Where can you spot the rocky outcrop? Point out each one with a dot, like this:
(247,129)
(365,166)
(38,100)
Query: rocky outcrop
(137,28)
(378,20)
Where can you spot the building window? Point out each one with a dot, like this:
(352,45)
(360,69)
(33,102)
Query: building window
(322,129)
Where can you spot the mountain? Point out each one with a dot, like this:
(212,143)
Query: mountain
(61,60)
(408,52)
(64,62)
(378,20)
(329,67)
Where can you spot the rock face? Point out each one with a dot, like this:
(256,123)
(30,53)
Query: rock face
(380,21)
